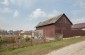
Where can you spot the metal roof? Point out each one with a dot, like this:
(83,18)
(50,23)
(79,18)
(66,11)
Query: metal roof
(49,21)
(79,26)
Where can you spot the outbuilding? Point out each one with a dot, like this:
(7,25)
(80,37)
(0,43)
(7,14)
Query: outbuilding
(53,27)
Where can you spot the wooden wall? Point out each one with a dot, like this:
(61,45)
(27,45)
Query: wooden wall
(72,33)
(48,31)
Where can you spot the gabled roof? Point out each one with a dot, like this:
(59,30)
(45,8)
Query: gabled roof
(51,21)
(79,26)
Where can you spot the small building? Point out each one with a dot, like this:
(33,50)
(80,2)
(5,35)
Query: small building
(26,34)
(80,26)
(53,27)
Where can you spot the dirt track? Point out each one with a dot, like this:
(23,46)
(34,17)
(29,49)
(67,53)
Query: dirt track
(74,49)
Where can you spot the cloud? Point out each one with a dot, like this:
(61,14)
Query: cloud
(41,14)
(79,11)
(3,23)
(16,13)
(5,2)
(78,15)
(38,13)
(2,20)
(25,3)
(79,20)
(8,11)
(5,10)
(80,3)
(53,13)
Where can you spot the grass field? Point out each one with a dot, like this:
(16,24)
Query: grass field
(42,49)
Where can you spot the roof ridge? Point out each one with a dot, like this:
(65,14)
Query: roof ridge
(50,21)
(52,17)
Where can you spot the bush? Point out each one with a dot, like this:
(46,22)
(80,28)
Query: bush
(27,39)
(1,41)
(59,36)
(8,39)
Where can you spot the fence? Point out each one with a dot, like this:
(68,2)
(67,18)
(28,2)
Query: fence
(71,33)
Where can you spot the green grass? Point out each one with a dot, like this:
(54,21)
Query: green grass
(42,48)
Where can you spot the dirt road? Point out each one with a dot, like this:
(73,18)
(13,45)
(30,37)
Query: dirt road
(74,49)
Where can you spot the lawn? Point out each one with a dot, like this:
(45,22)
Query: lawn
(42,49)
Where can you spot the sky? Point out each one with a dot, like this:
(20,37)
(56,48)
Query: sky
(26,14)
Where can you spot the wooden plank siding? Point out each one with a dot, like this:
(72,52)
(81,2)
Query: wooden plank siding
(63,24)
(48,31)
(72,33)
(52,29)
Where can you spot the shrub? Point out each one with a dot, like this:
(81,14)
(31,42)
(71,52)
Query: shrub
(27,39)
(59,36)
(1,41)
(8,39)
(0,37)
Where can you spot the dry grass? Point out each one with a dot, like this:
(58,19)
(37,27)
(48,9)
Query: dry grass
(42,49)
(15,42)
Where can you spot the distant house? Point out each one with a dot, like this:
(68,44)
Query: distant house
(80,26)
(54,26)
(25,34)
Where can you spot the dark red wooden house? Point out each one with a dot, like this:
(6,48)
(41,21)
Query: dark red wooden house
(54,26)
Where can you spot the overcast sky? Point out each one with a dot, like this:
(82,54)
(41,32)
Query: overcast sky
(26,14)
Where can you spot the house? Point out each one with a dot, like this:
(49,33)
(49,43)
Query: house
(26,34)
(80,26)
(53,27)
